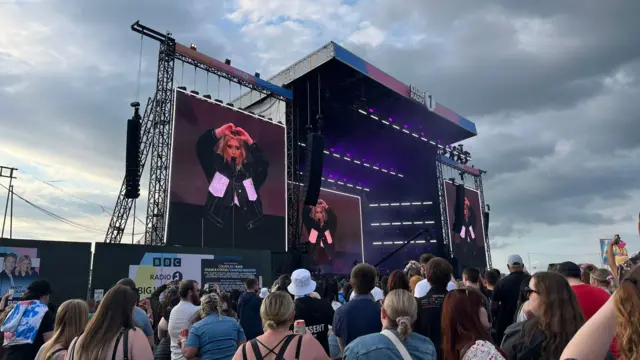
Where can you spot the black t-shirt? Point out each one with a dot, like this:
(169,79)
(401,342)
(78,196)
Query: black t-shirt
(29,351)
(318,316)
(430,317)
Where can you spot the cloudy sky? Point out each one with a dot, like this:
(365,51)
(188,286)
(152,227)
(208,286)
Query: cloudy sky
(553,86)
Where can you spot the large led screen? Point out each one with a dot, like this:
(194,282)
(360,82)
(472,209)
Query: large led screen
(467,235)
(333,229)
(227,183)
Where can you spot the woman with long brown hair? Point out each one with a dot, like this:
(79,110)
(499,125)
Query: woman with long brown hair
(110,328)
(465,325)
(71,319)
(553,319)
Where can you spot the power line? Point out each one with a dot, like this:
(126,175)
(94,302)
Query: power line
(59,217)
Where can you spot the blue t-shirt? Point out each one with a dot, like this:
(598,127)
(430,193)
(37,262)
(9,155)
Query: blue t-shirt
(378,346)
(358,317)
(216,337)
(141,321)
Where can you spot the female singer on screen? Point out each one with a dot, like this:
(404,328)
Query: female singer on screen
(468,232)
(321,224)
(235,168)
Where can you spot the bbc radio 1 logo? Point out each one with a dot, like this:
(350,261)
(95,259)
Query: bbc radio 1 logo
(167,262)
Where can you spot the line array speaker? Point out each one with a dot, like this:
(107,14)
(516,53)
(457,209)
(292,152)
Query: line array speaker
(314,161)
(132,171)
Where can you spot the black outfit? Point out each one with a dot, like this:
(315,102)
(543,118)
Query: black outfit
(5,279)
(29,351)
(430,317)
(280,354)
(506,295)
(221,211)
(321,251)
(249,313)
(163,350)
(318,316)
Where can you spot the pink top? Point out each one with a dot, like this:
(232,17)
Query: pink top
(139,348)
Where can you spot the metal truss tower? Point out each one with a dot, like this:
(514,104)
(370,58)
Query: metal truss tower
(161,145)
(293,176)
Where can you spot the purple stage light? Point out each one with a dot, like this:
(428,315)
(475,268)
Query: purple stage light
(370,110)
(348,155)
(422,133)
(390,120)
(331,176)
(406,126)
(332,149)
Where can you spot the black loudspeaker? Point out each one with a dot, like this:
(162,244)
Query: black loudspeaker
(458,211)
(313,179)
(132,172)
(485,219)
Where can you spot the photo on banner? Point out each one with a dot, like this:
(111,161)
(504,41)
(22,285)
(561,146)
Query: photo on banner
(467,242)
(333,229)
(20,267)
(227,185)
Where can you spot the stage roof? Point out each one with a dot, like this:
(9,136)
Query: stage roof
(442,123)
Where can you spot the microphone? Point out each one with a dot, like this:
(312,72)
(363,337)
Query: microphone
(233,164)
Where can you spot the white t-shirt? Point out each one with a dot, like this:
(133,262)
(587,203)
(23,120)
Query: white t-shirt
(377,294)
(182,316)
(423,287)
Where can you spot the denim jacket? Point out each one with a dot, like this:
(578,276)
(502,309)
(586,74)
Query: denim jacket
(378,346)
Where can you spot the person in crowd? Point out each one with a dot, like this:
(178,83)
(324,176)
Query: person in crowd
(347,291)
(397,340)
(228,306)
(316,313)
(413,282)
(278,342)
(490,280)
(155,307)
(586,270)
(71,320)
(183,315)
(140,317)
(111,327)
(163,349)
(590,298)
(384,284)
(438,272)
(329,293)
(215,337)
(8,267)
(507,292)
(249,309)
(282,283)
(471,279)
(376,293)
(360,316)
(618,317)
(553,319)
(29,324)
(603,279)
(465,326)
(398,280)
(423,287)
(412,269)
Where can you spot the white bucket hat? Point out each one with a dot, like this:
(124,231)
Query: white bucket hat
(301,283)
(264,292)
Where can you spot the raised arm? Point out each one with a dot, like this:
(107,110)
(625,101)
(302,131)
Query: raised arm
(593,339)
(209,160)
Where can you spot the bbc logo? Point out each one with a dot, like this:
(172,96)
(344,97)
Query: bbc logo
(168,262)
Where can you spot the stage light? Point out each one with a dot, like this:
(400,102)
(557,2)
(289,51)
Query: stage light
(227,61)
(377,243)
(257,74)
(193,47)
(207,96)
(462,176)
(230,105)
(402,223)
(362,162)
(183,88)
(402,204)
(195,92)
(342,183)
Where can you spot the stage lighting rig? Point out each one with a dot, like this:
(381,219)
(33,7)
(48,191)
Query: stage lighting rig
(227,61)
(193,47)
(257,74)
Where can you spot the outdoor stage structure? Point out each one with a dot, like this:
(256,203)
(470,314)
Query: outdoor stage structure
(387,144)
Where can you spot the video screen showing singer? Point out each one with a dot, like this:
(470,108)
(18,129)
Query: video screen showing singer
(321,224)
(236,168)
(467,232)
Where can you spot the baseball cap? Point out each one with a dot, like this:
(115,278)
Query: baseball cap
(515,261)
(569,269)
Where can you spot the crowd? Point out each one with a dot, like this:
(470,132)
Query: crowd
(422,312)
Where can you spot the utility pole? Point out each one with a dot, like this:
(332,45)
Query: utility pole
(7,172)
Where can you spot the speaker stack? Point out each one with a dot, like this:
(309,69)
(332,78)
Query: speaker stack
(132,171)
(314,161)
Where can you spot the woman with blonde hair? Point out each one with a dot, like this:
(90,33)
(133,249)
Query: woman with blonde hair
(397,340)
(216,335)
(278,342)
(71,319)
(24,267)
(413,282)
(602,278)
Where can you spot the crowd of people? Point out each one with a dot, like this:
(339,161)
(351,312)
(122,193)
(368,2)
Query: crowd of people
(422,312)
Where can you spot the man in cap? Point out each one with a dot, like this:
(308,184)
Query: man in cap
(507,294)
